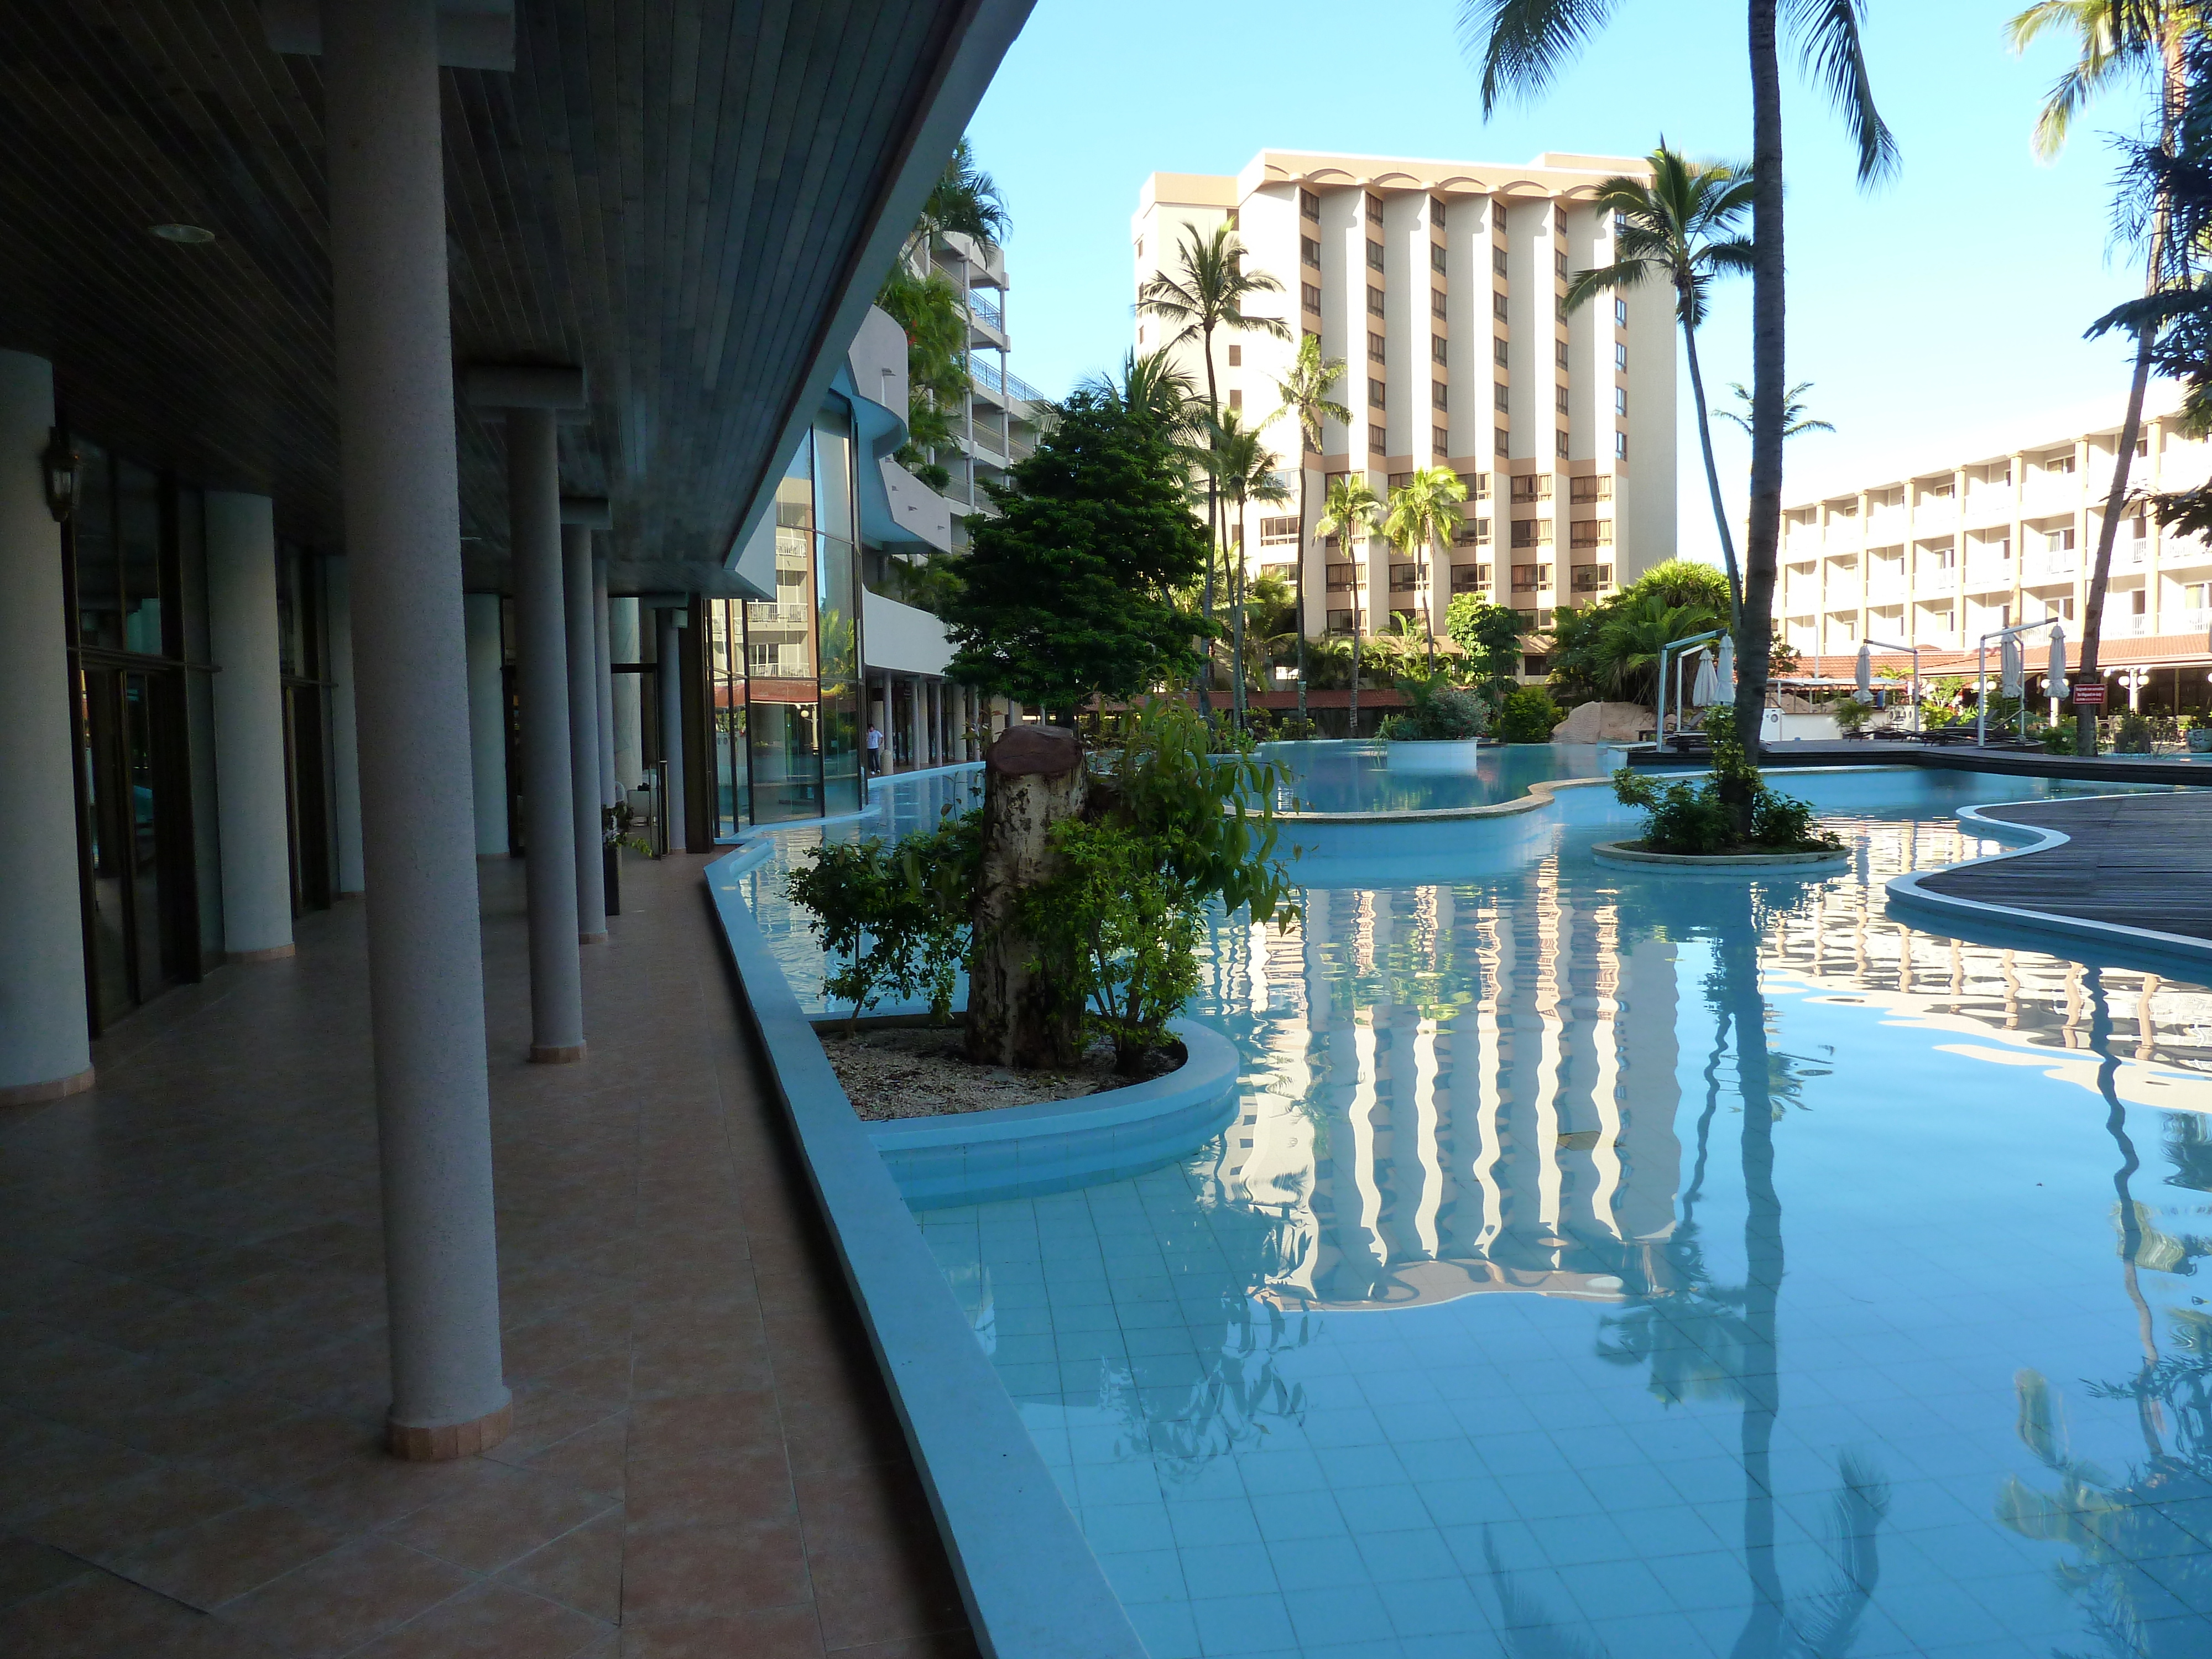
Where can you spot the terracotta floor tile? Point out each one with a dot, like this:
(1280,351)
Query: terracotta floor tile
(581,1570)
(333,1605)
(275,1455)
(698,1572)
(114,1520)
(704,1426)
(491,1621)
(943,1645)
(684,1492)
(882,1595)
(27,1569)
(501,1518)
(217,1561)
(775,1633)
(64,1467)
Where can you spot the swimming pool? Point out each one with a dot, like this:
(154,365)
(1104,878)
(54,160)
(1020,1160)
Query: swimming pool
(1357,777)
(1664,1270)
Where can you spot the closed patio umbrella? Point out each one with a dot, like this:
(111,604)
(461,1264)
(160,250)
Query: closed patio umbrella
(1862,676)
(2055,682)
(1724,670)
(2010,666)
(1707,691)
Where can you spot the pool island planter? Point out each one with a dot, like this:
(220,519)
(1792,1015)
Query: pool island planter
(1426,755)
(1619,855)
(1024,1152)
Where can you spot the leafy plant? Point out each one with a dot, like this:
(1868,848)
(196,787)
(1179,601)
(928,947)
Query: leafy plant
(1731,807)
(1527,715)
(1436,711)
(1490,636)
(895,917)
(2131,736)
(1849,713)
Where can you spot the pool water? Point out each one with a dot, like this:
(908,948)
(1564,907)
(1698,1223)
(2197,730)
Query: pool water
(1348,777)
(1607,1266)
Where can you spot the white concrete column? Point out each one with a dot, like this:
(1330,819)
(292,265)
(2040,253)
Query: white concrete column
(543,640)
(487,722)
(395,404)
(345,752)
(46,1048)
(603,682)
(584,734)
(251,817)
(668,678)
(917,744)
(629,735)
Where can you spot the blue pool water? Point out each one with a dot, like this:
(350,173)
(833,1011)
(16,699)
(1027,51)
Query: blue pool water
(1347,777)
(1603,1265)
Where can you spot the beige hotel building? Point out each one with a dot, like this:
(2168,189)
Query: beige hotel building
(1440,286)
(1939,557)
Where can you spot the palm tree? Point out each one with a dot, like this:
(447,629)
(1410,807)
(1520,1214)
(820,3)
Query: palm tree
(1152,386)
(1349,513)
(1679,227)
(1793,418)
(2117,40)
(1305,394)
(1523,44)
(964,200)
(1244,468)
(1207,298)
(1425,508)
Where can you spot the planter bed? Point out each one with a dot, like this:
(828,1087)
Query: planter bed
(1631,855)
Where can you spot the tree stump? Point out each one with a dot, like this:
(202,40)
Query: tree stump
(1033,779)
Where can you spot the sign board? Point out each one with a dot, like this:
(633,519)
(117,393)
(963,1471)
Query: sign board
(2089,695)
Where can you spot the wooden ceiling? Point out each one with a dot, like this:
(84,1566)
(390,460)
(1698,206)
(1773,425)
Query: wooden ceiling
(695,199)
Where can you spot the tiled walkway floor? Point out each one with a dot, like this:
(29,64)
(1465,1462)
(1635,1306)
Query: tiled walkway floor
(192,1353)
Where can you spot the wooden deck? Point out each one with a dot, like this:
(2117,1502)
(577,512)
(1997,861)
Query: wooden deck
(2132,860)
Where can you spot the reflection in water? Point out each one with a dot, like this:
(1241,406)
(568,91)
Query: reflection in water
(1636,1272)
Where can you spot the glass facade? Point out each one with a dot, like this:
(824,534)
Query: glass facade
(784,673)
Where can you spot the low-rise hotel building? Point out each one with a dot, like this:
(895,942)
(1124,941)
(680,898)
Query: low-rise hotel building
(1941,556)
(1442,285)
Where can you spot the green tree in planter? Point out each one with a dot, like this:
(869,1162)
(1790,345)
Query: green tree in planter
(1490,635)
(893,917)
(1070,591)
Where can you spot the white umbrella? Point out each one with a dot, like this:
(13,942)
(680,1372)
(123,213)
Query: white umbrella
(1724,670)
(2010,666)
(2055,682)
(1707,691)
(1862,676)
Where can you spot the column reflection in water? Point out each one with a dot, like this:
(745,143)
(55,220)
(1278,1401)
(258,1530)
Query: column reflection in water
(1645,1273)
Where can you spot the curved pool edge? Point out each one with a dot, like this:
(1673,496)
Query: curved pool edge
(1031,1586)
(1909,891)
(1050,1146)
(1619,855)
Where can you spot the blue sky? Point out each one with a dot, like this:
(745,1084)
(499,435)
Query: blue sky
(1946,303)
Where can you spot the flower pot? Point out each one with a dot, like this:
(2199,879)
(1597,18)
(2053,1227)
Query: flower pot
(2199,738)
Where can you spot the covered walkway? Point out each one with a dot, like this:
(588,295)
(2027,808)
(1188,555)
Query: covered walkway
(193,1374)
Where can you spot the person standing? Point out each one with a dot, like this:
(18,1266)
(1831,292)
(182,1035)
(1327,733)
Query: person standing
(875,750)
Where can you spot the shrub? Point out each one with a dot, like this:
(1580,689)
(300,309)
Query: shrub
(1850,713)
(2058,739)
(1527,715)
(895,915)
(2131,736)
(1436,711)
(1780,820)
(1698,819)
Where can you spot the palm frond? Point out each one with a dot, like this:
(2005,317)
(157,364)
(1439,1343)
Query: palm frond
(1522,45)
(1834,58)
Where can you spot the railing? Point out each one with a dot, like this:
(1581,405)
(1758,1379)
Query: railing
(1985,574)
(986,311)
(2063,562)
(1935,583)
(992,378)
(769,611)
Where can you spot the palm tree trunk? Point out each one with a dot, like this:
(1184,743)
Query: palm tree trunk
(1754,632)
(2101,573)
(1428,615)
(1352,729)
(1213,537)
(1238,703)
(1713,482)
(1300,624)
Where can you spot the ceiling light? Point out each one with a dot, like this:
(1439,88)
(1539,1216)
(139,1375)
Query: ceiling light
(192,234)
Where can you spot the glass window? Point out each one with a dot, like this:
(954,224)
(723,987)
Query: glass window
(92,538)
(781,739)
(138,546)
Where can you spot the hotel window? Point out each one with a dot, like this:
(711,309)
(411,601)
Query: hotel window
(1375,303)
(1590,577)
(1597,487)
(1374,393)
(1477,485)
(1620,314)
(1375,440)
(1440,397)
(1497,260)
(1620,446)
(1375,348)
(1620,356)
(1437,258)
(1283,529)
(1621,400)
(2059,541)
(1236,398)
(1590,532)
(1440,439)
(1470,578)
(1559,398)
(1498,306)
(1500,396)
(1532,487)
(1436,303)
(1559,354)
(1375,256)
(1532,532)
(1498,349)
(1236,356)
(1309,204)
(1437,212)
(1531,578)
(1620,224)
(1472,532)
(1406,579)
(1439,348)
(1559,264)
(1374,206)
(1561,446)
(1311,296)
(1310,251)
(1560,219)
(1504,441)
(1399,480)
